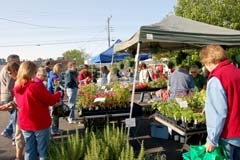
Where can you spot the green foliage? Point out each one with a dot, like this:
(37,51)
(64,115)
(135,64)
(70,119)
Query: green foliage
(73,149)
(117,97)
(233,53)
(197,100)
(121,65)
(158,83)
(172,109)
(87,95)
(199,117)
(127,153)
(224,13)
(129,62)
(77,55)
(94,149)
(122,94)
(111,144)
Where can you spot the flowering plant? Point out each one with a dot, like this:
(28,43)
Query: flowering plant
(118,96)
(87,95)
(56,83)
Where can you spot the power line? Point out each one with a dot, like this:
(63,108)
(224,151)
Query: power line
(31,24)
(52,43)
(52,27)
(85,45)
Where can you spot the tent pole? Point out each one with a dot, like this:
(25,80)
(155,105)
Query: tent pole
(112,60)
(100,76)
(134,83)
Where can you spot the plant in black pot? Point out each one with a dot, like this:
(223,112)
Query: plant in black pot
(199,120)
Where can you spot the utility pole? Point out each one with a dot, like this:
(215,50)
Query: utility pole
(108,29)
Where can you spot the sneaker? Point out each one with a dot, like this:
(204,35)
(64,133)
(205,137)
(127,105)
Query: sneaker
(5,134)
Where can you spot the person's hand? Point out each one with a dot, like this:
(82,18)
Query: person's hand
(209,147)
(6,107)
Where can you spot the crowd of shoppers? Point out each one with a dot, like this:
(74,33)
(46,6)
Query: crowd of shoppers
(28,91)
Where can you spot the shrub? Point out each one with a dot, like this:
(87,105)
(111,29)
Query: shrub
(111,144)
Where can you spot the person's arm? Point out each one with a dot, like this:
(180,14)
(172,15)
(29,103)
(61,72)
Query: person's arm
(8,106)
(40,91)
(216,112)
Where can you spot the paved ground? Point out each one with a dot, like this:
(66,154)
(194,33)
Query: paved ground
(169,147)
(7,151)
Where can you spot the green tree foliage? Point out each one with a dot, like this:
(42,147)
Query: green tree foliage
(224,13)
(77,55)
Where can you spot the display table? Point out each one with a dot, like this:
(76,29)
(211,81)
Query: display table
(185,132)
(149,89)
(89,117)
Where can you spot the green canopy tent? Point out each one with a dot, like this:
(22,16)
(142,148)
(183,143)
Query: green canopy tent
(175,32)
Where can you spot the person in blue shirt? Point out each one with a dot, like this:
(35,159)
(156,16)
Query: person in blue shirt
(53,85)
(222,106)
(180,82)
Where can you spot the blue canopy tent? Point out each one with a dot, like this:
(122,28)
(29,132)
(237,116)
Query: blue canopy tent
(108,56)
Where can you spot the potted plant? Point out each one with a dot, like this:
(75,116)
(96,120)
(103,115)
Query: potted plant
(86,96)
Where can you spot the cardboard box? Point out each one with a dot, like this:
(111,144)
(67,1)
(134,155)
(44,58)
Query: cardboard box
(159,131)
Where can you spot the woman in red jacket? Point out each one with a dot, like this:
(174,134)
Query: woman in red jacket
(34,119)
(84,76)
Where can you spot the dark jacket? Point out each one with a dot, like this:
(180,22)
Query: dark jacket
(71,79)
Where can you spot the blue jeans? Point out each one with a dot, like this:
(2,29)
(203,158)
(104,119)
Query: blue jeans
(11,127)
(55,121)
(36,144)
(233,152)
(72,97)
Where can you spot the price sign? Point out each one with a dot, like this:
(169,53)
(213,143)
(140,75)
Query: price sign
(130,122)
(99,99)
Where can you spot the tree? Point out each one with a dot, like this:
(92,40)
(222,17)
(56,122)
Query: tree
(77,55)
(224,13)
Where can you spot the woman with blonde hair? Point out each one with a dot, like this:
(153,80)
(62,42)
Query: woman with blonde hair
(54,85)
(33,100)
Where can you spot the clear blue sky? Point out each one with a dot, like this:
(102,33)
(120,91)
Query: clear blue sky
(47,28)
